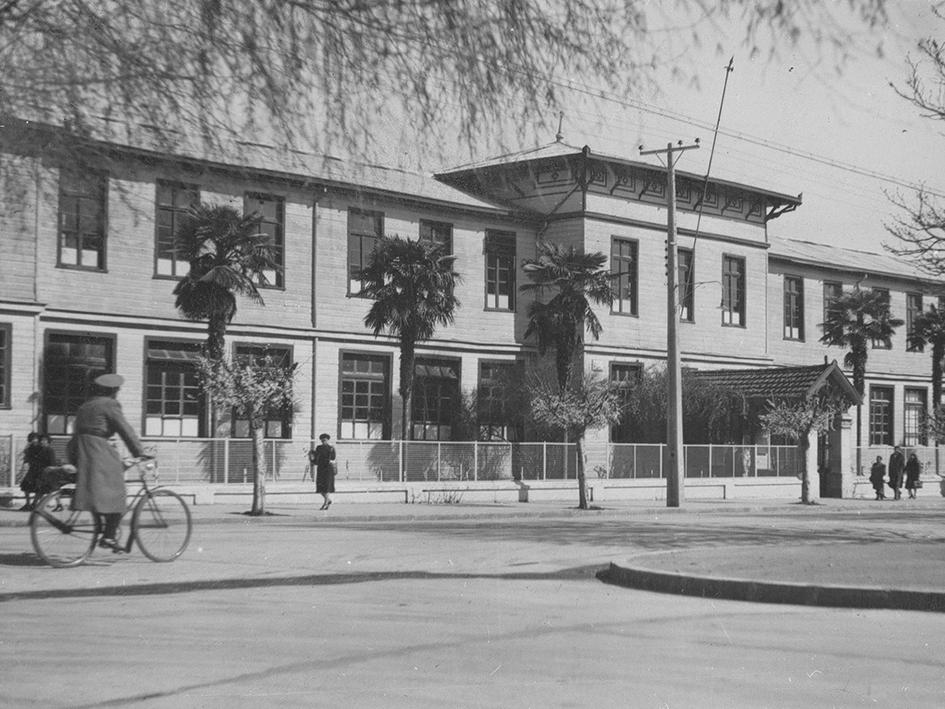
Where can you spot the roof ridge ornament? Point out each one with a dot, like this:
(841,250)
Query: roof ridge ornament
(559,136)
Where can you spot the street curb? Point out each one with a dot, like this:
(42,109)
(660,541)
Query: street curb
(734,589)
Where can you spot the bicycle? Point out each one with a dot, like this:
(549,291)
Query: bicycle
(160,522)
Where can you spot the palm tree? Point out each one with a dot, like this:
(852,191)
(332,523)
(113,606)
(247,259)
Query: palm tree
(413,286)
(228,256)
(929,329)
(854,320)
(578,282)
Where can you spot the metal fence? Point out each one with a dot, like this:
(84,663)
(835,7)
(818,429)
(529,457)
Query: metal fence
(230,460)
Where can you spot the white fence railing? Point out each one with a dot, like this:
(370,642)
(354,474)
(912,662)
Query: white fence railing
(229,460)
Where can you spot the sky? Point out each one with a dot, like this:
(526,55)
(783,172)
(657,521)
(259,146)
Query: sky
(808,120)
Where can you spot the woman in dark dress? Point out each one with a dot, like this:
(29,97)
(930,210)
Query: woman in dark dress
(323,458)
(913,471)
(29,484)
(100,480)
(878,477)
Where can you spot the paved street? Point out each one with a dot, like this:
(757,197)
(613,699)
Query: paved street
(458,606)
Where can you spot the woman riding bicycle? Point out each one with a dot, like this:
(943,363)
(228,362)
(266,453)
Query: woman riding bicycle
(100,483)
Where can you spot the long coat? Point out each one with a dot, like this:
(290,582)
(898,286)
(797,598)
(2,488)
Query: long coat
(897,461)
(323,458)
(913,471)
(100,479)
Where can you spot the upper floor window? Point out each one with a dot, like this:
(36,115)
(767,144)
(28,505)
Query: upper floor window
(500,270)
(271,211)
(832,291)
(71,362)
(885,344)
(173,201)
(686,283)
(364,230)
(6,332)
(82,219)
(277,422)
(364,403)
(913,311)
(793,308)
(439,233)
(733,290)
(623,264)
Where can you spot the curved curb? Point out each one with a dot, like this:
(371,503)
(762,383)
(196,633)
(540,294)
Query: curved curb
(773,591)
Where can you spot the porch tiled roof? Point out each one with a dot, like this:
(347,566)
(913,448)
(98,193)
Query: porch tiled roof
(781,382)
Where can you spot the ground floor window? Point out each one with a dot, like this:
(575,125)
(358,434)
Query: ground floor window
(627,376)
(71,362)
(914,433)
(435,399)
(881,416)
(174,404)
(277,422)
(497,417)
(365,399)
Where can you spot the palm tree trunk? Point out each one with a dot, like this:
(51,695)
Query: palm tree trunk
(805,473)
(407,357)
(216,337)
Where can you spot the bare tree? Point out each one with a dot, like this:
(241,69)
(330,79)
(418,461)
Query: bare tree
(304,72)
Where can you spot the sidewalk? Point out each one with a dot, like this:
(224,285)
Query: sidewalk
(855,553)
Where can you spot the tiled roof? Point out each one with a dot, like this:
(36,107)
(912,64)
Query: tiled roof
(781,382)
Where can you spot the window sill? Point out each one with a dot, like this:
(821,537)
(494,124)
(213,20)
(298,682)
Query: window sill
(84,269)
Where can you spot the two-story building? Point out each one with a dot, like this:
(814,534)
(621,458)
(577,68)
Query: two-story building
(89,267)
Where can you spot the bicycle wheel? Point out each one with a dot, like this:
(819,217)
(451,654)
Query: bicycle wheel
(62,536)
(161,525)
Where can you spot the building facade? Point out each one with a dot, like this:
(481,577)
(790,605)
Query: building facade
(88,270)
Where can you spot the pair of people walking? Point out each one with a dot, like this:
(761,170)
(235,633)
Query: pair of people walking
(902,473)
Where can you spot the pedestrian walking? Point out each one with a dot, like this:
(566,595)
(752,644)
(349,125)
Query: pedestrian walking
(897,463)
(322,459)
(37,456)
(878,477)
(913,471)
(100,474)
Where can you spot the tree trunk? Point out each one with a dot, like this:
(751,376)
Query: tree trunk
(259,468)
(216,338)
(805,474)
(407,357)
(581,461)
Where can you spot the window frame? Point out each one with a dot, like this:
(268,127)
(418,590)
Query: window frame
(177,212)
(740,288)
(914,308)
(886,344)
(6,364)
(362,237)
(829,298)
(887,435)
(493,420)
(793,311)
(284,418)
(202,403)
(447,398)
(686,284)
(496,246)
(432,227)
(83,175)
(917,435)
(110,341)
(631,275)
(623,429)
(387,381)
(251,197)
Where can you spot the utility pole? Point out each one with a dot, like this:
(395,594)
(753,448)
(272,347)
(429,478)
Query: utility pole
(674,431)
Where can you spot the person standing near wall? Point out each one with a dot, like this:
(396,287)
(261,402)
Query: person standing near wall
(897,463)
(913,471)
(323,458)
(878,477)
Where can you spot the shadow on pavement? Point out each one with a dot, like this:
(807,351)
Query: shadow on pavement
(578,573)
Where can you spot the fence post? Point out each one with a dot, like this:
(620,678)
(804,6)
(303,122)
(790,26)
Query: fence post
(401,473)
(226,461)
(439,448)
(662,453)
(544,459)
(475,461)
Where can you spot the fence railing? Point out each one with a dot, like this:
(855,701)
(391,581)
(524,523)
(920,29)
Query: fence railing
(229,460)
